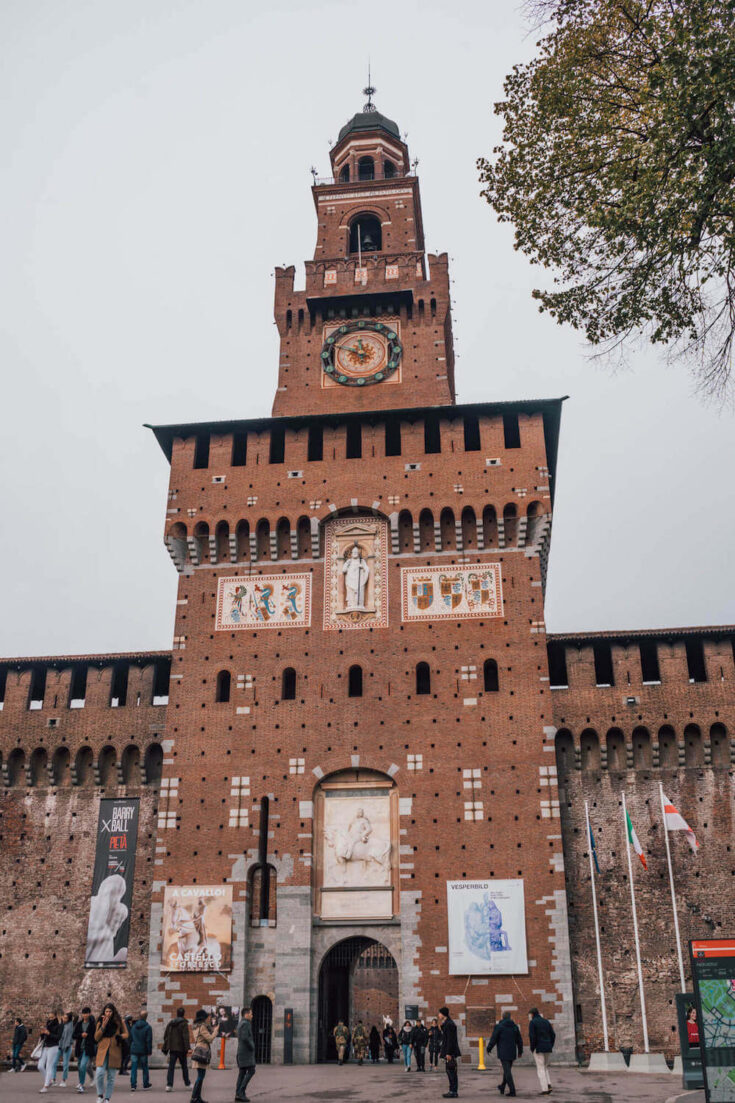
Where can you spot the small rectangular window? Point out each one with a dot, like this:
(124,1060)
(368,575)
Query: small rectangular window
(161,677)
(557,654)
(650,671)
(393,437)
(695,661)
(201,450)
(511,431)
(3,684)
(78,687)
(239,449)
(354,440)
(603,665)
(119,686)
(471,434)
(37,689)
(316,443)
(432,435)
(278,444)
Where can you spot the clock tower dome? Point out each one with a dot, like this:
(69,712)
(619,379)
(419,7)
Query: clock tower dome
(372,329)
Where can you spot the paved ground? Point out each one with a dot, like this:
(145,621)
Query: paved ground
(366,1084)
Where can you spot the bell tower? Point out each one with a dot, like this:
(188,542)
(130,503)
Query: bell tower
(372,330)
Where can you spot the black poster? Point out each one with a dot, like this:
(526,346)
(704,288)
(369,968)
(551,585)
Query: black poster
(112,886)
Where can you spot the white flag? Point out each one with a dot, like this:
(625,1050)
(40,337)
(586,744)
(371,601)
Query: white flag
(675,822)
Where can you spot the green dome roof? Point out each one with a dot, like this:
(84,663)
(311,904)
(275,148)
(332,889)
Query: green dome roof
(369,120)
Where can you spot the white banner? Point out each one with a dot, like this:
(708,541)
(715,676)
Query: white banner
(487,927)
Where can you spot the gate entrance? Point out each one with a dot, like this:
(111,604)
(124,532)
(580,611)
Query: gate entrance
(358,979)
(262,1029)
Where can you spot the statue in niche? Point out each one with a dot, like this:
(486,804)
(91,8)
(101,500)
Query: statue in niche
(356,571)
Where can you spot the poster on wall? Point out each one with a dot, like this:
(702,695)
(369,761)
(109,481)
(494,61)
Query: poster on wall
(451,593)
(713,972)
(108,929)
(487,927)
(263,601)
(197,929)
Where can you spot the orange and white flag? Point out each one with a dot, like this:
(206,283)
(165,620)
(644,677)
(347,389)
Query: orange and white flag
(675,822)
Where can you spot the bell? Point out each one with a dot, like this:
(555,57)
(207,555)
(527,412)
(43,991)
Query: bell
(368,243)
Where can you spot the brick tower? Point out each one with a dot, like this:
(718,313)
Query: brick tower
(359,725)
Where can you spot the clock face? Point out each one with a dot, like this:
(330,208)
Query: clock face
(360,353)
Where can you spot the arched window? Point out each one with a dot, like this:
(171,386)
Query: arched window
(354,683)
(222,691)
(106,764)
(222,536)
(668,752)
(490,527)
(490,674)
(564,746)
(366,169)
(405,531)
(642,757)
(262,885)
(344,174)
(130,766)
(510,522)
(60,766)
(423,678)
(693,749)
(84,766)
(534,514)
(303,537)
(426,530)
(366,235)
(283,538)
(201,535)
(16,767)
(389,170)
(263,539)
(448,531)
(153,764)
(615,749)
(288,684)
(242,537)
(39,767)
(469,528)
(589,744)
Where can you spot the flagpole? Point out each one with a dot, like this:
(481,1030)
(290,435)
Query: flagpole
(635,930)
(673,891)
(603,1008)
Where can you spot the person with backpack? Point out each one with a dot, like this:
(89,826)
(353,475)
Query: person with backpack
(359,1041)
(201,1053)
(507,1037)
(110,1034)
(341,1040)
(176,1045)
(141,1047)
(541,1037)
(20,1034)
(419,1039)
(50,1036)
(84,1044)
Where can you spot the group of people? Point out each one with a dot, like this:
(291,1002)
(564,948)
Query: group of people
(104,1045)
(506,1037)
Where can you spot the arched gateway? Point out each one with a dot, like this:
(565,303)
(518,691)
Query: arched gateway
(358,979)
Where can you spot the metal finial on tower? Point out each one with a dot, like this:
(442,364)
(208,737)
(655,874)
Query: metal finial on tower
(369,92)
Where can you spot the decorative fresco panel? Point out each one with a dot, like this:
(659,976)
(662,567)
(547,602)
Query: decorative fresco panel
(451,593)
(355,573)
(263,601)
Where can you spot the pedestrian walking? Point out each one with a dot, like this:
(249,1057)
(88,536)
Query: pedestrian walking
(435,1044)
(245,1054)
(66,1042)
(341,1040)
(541,1038)
(404,1041)
(450,1052)
(109,1035)
(374,1044)
(507,1037)
(201,1053)
(419,1040)
(50,1036)
(390,1042)
(359,1041)
(176,1045)
(20,1034)
(84,1045)
(141,1048)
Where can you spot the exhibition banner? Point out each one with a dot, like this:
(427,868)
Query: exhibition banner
(487,927)
(197,929)
(112,884)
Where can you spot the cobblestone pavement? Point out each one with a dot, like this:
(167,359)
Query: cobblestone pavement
(368,1084)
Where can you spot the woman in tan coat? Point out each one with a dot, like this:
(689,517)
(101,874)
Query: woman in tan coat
(202,1037)
(109,1036)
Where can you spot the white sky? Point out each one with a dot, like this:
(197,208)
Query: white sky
(154,168)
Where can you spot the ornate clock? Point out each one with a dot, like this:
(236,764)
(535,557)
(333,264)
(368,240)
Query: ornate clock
(359,353)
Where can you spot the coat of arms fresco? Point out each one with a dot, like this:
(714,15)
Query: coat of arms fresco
(435,593)
(263,601)
(355,572)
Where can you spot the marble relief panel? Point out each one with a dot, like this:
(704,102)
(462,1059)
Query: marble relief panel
(355,573)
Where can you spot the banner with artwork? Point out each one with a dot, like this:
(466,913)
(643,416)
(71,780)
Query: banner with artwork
(108,929)
(451,593)
(263,601)
(487,927)
(197,929)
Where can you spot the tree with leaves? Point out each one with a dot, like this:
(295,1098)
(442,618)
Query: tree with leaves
(617,170)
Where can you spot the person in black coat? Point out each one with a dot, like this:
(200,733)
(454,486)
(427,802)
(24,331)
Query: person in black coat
(541,1038)
(419,1038)
(507,1037)
(19,1040)
(84,1044)
(435,1044)
(374,1044)
(390,1041)
(449,1052)
(245,1054)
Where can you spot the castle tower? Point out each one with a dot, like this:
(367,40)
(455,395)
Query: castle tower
(359,748)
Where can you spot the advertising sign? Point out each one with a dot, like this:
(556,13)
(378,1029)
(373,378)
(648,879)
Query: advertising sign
(691,1054)
(487,927)
(713,971)
(108,930)
(197,929)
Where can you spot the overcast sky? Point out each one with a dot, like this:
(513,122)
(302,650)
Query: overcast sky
(155,167)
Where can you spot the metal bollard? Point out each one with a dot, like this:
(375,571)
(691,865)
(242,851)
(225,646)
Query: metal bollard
(221,1064)
(481,1055)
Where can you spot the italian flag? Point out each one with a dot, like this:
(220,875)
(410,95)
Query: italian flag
(635,841)
(676,822)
